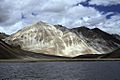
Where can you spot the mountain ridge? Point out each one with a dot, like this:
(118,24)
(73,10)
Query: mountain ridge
(60,41)
(98,39)
(50,39)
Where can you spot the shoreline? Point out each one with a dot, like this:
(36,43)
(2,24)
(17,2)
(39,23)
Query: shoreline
(55,60)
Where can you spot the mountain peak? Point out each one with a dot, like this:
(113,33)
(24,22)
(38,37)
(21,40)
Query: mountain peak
(58,40)
(97,30)
(41,22)
(61,27)
(51,39)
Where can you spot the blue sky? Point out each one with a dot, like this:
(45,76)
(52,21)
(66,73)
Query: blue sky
(105,9)
(102,8)
(104,14)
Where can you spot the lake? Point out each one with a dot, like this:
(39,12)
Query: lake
(82,70)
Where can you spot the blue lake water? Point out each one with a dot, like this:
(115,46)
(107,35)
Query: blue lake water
(96,70)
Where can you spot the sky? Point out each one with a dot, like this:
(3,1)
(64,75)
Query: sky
(103,14)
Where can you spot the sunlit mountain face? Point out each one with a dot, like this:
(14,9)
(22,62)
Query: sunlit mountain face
(67,28)
(60,41)
(48,39)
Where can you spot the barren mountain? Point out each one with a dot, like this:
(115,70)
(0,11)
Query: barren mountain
(11,52)
(53,40)
(116,36)
(6,51)
(98,39)
(60,41)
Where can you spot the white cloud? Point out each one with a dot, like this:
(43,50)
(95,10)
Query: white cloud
(105,2)
(62,12)
(70,17)
(112,25)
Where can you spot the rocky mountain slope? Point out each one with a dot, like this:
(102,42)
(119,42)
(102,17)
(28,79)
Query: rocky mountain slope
(99,40)
(11,52)
(116,36)
(58,40)
(114,54)
(3,35)
(53,40)
(7,52)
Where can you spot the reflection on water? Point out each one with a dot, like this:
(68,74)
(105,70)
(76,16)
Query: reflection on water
(99,70)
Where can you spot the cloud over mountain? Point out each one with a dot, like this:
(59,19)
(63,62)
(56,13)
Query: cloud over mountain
(16,14)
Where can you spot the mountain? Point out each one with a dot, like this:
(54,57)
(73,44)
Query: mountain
(6,52)
(116,36)
(98,39)
(114,54)
(11,52)
(50,39)
(57,40)
(3,35)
